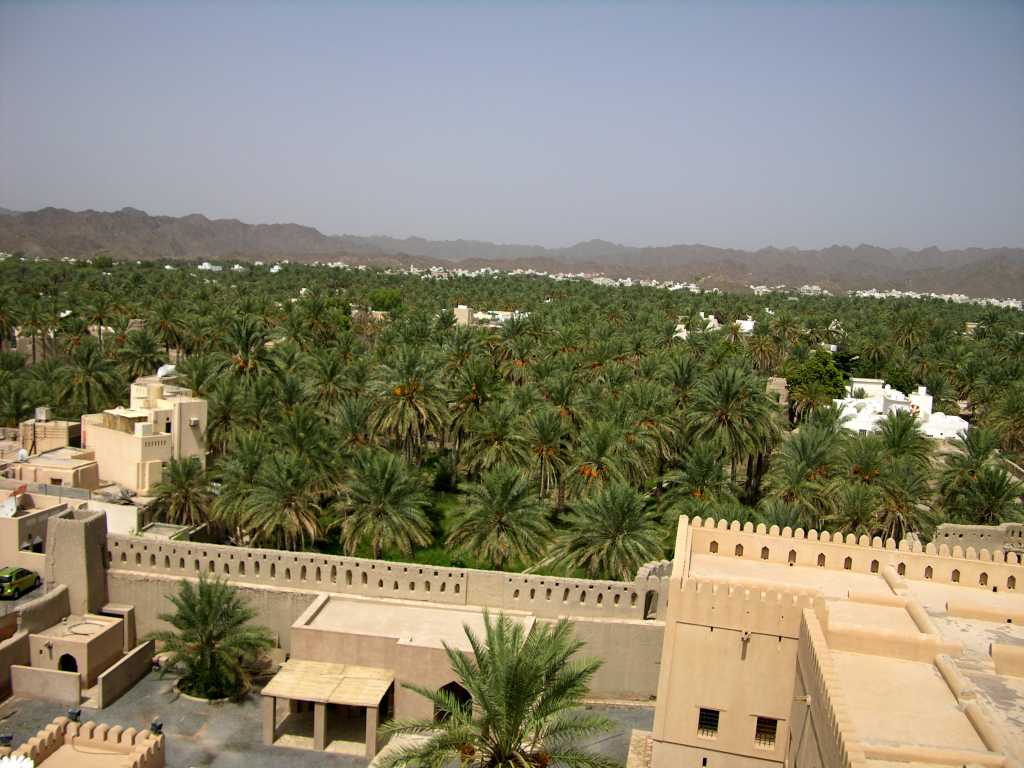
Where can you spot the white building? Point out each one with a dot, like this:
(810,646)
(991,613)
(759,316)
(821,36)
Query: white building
(865,413)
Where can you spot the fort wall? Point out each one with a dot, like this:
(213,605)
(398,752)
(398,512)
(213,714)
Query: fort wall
(544,596)
(992,570)
(609,616)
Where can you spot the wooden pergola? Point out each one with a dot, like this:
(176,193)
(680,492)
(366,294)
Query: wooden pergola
(322,684)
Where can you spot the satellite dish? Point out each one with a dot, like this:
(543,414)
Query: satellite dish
(22,455)
(165,370)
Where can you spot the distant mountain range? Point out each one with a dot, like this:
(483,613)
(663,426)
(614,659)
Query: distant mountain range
(134,234)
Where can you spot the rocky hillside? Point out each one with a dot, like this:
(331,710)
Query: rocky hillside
(133,234)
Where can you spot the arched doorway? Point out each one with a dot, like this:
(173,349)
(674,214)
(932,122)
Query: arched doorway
(67,663)
(461,696)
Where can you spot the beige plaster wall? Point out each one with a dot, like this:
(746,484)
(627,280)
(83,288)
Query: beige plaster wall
(425,666)
(118,679)
(47,684)
(13,651)
(45,611)
(85,476)
(125,459)
(92,654)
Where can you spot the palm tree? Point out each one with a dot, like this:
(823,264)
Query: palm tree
(238,473)
(141,354)
(854,507)
(182,496)
(808,396)
(732,407)
(501,519)
(223,413)
(862,459)
(972,450)
(384,502)
(1008,418)
(701,477)
(600,456)
(410,405)
(903,506)
(282,509)
(544,438)
(801,474)
(246,344)
(90,380)
(611,533)
(989,497)
(200,372)
(8,319)
(212,643)
(496,437)
(527,690)
(902,438)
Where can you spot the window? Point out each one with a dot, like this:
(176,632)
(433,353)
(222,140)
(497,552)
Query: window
(167,427)
(739,550)
(707,723)
(764,733)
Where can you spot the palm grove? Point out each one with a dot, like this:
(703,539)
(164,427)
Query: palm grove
(568,441)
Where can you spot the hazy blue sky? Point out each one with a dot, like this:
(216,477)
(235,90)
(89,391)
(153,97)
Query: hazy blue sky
(730,124)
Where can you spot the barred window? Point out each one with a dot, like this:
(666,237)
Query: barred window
(707,723)
(764,734)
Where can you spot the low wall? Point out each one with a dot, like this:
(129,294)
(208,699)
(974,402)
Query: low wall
(45,611)
(13,651)
(46,684)
(117,680)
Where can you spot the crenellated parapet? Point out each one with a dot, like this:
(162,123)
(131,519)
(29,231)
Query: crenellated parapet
(644,598)
(136,749)
(994,570)
(744,606)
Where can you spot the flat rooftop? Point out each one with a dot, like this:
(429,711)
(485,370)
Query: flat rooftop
(832,584)
(328,683)
(900,703)
(408,622)
(61,457)
(80,628)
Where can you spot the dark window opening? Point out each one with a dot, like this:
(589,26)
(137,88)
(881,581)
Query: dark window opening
(707,723)
(764,733)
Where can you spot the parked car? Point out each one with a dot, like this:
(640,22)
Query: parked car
(15,582)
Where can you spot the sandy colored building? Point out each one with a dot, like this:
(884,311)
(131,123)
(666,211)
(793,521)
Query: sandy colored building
(68,467)
(132,445)
(815,650)
(43,433)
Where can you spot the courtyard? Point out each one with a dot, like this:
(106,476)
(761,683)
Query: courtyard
(228,735)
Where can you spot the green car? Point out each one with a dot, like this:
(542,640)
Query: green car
(15,582)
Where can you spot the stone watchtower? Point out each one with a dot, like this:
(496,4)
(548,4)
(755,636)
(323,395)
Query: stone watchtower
(76,546)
